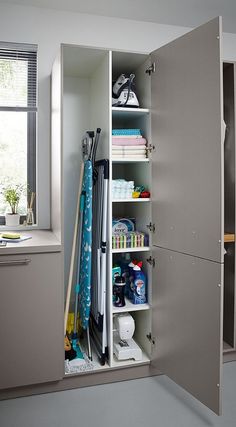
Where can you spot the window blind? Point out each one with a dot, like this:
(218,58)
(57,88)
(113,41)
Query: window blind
(18,77)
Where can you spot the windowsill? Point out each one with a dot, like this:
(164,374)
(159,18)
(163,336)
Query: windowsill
(19,227)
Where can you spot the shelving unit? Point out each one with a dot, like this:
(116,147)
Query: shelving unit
(139,171)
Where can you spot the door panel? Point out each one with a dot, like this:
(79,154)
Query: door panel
(187,164)
(31,319)
(187,323)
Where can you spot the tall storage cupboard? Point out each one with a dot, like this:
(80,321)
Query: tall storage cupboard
(180,89)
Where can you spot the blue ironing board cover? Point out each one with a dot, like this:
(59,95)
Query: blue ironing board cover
(86,249)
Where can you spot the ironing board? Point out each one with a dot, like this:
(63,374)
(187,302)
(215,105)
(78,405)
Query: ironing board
(99,266)
(86,249)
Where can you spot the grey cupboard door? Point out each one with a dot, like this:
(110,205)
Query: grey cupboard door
(187,323)
(187,165)
(31,319)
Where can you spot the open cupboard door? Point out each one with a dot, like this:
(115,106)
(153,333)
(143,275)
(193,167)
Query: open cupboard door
(186,125)
(187,323)
(187,210)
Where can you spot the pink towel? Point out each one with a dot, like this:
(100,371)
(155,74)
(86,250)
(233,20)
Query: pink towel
(129,141)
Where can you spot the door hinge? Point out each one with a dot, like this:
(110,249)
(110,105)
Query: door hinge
(150,148)
(151,227)
(151,69)
(151,339)
(151,261)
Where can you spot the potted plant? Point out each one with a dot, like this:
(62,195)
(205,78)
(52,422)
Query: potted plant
(12,196)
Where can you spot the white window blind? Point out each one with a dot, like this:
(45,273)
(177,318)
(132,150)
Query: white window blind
(18,77)
(18,119)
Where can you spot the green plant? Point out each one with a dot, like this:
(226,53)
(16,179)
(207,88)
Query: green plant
(12,196)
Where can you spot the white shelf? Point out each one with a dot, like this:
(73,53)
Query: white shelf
(130,160)
(125,250)
(133,200)
(129,306)
(131,112)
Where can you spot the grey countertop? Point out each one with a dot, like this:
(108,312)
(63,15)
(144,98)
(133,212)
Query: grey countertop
(41,241)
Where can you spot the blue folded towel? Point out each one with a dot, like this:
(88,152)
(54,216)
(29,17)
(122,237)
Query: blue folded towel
(126,132)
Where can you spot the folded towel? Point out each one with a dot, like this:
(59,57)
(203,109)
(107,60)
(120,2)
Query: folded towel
(129,154)
(128,141)
(128,147)
(127,136)
(126,132)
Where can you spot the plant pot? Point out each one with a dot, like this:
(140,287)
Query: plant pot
(12,220)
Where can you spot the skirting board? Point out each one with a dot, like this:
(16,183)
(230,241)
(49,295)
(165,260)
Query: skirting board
(82,380)
(90,379)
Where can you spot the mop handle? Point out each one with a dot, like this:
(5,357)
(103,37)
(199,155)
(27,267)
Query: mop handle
(72,262)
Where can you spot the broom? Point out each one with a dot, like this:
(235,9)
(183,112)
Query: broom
(70,353)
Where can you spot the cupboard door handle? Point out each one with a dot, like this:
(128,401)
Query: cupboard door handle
(15,262)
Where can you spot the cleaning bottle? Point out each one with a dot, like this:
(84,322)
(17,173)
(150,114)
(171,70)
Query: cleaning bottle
(124,265)
(119,291)
(139,286)
(130,283)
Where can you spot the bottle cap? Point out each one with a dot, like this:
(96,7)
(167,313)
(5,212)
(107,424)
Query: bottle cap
(120,280)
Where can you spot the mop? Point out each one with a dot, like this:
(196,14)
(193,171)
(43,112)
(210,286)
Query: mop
(70,353)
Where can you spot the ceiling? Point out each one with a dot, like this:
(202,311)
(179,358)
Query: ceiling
(188,13)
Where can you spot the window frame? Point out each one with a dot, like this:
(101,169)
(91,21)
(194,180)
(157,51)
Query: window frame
(32,77)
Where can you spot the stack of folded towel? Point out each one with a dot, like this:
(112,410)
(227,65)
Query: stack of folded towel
(127,143)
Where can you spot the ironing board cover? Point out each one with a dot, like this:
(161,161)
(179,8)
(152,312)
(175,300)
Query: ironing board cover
(86,249)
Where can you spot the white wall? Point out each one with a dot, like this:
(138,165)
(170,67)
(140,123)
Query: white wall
(49,28)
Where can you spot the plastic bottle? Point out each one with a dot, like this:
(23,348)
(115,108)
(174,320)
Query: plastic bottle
(130,283)
(119,291)
(139,286)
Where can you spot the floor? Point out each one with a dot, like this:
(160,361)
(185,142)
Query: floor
(145,402)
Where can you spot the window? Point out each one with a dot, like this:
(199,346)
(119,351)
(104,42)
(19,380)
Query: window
(18,111)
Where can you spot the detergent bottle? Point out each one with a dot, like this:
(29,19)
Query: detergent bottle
(130,282)
(139,285)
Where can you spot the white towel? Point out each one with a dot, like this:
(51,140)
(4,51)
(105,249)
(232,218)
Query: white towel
(129,141)
(128,148)
(129,156)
